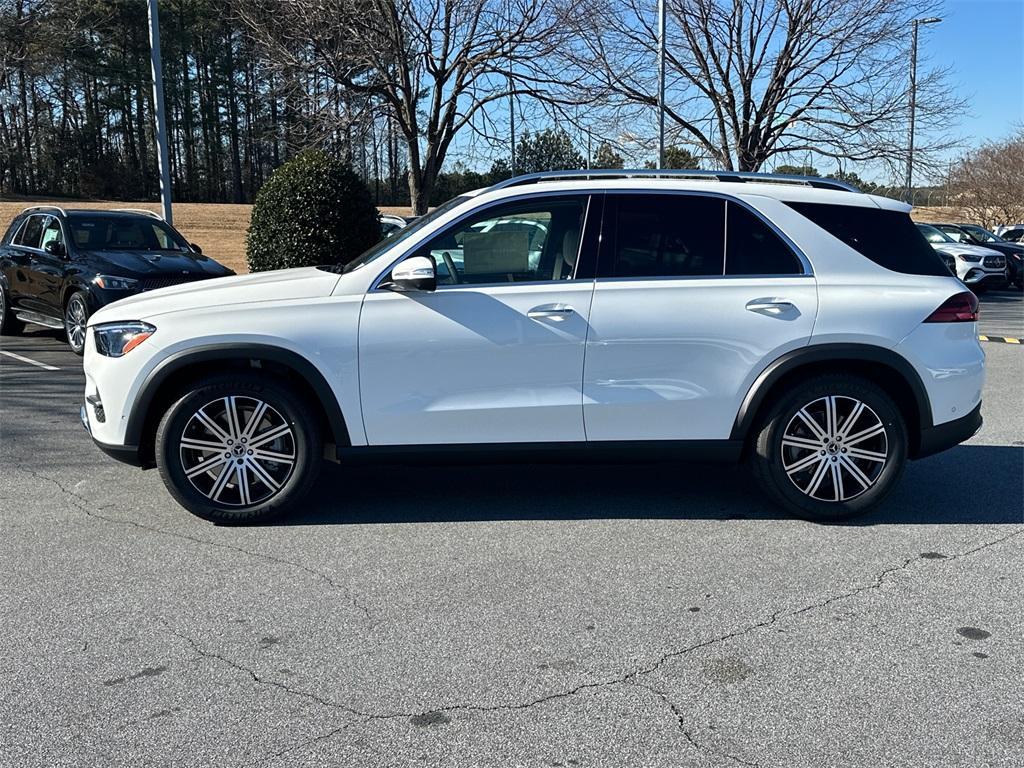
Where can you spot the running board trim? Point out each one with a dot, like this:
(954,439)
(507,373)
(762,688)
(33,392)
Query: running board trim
(37,319)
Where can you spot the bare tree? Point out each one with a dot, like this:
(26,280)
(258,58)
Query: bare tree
(988,184)
(751,79)
(433,65)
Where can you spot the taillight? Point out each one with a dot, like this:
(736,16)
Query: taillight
(961,308)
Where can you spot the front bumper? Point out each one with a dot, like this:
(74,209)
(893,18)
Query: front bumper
(128,454)
(944,436)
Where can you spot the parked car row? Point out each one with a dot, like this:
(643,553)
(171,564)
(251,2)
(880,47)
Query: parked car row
(58,266)
(980,258)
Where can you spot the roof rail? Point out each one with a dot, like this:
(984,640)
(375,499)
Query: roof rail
(56,208)
(732,176)
(143,211)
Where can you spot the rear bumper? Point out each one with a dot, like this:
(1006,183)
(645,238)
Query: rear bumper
(944,436)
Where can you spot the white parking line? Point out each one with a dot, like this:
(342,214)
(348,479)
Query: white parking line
(44,366)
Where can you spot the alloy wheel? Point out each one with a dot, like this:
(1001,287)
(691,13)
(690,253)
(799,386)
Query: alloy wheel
(75,321)
(238,451)
(834,448)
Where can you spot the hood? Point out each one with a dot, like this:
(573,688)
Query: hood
(153,263)
(280,285)
(968,250)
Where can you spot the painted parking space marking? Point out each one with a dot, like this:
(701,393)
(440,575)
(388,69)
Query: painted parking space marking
(30,361)
(1000,339)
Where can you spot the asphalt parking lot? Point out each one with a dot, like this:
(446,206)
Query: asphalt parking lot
(536,615)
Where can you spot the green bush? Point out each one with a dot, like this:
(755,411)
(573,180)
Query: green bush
(313,210)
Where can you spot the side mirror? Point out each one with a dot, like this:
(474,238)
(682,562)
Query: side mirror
(196,248)
(414,274)
(55,248)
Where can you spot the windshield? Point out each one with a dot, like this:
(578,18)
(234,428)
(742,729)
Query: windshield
(388,243)
(932,234)
(124,233)
(981,234)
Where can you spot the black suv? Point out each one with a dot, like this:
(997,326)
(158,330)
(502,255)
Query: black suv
(59,266)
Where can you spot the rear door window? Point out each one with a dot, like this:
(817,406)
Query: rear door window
(888,238)
(665,236)
(753,248)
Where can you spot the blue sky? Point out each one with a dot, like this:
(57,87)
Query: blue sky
(983,41)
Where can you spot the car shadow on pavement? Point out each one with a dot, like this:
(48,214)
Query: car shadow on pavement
(972,484)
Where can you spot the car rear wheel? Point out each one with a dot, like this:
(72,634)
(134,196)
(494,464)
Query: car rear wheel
(9,324)
(238,449)
(831,448)
(76,318)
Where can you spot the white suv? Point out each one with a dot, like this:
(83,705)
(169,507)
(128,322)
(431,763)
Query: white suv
(796,324)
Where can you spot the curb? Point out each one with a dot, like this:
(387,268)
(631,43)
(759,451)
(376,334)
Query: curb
(1001,339)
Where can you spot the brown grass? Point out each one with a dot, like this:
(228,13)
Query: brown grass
(219,229)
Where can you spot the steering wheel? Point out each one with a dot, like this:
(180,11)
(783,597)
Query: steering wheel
(450,264)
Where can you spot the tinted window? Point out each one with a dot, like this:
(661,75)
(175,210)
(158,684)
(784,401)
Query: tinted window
(752,248)
(12,230)
(667,236)
(523,242)
(954,233)
(932,234)
(980,234)
(31,232)
(888,238)
(124,233)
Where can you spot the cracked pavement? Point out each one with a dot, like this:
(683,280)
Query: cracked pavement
(534,615)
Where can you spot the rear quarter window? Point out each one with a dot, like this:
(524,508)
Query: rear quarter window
(888,238)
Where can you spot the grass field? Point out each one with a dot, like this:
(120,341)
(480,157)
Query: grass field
(219,229)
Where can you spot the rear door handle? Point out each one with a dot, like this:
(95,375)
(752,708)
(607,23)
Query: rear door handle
(770,306)
(551,311)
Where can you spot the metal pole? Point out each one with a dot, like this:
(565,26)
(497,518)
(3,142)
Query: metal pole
(512,126)
(661,84)
(909,191)
(909,182)
(163,156)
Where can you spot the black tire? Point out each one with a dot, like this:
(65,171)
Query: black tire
(839,494)
(76,316)
(302,441)
(9,324)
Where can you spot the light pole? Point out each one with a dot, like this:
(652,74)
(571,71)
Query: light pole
(162,155)
(909,191)
(661,84)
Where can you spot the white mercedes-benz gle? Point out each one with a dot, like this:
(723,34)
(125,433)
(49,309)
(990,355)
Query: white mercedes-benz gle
(795,324)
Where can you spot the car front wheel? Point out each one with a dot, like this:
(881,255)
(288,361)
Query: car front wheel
(238,449)
(76,318)
(831,448)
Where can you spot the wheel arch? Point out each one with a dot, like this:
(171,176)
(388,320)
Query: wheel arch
(882,366)
(167,380)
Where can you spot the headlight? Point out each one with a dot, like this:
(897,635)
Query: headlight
(968,258)
(114,283)
(117,339)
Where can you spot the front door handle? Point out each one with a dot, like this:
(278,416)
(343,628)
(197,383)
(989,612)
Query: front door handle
(770,306)
(550,311)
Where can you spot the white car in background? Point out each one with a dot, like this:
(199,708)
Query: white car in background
(800,326)
(978,268)
(391,224)
(1002,229)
